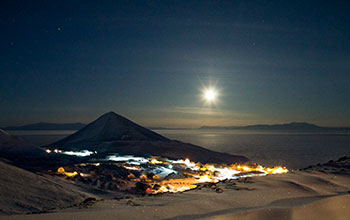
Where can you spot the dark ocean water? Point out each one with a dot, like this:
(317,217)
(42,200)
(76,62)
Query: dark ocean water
(294,150)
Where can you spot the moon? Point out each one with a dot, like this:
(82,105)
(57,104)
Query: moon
(210,94)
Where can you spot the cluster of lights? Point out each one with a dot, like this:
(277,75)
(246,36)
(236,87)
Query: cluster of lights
(83,153)
(195,173)
(56,151)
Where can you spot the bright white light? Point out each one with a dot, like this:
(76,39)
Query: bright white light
(82,153)
(128,158)
(162,172)
(210,94)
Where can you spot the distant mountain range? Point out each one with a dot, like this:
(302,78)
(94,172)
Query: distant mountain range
(293,126)
(165,128)
(47,126)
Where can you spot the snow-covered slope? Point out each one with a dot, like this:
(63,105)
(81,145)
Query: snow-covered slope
(24,192)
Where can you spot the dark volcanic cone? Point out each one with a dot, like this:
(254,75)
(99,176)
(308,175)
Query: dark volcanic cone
(109,127)
(112,133)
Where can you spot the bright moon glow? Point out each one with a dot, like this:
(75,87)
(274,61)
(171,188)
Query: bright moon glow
(210,94)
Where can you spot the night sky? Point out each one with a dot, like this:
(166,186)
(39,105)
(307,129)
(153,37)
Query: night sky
(271,61)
